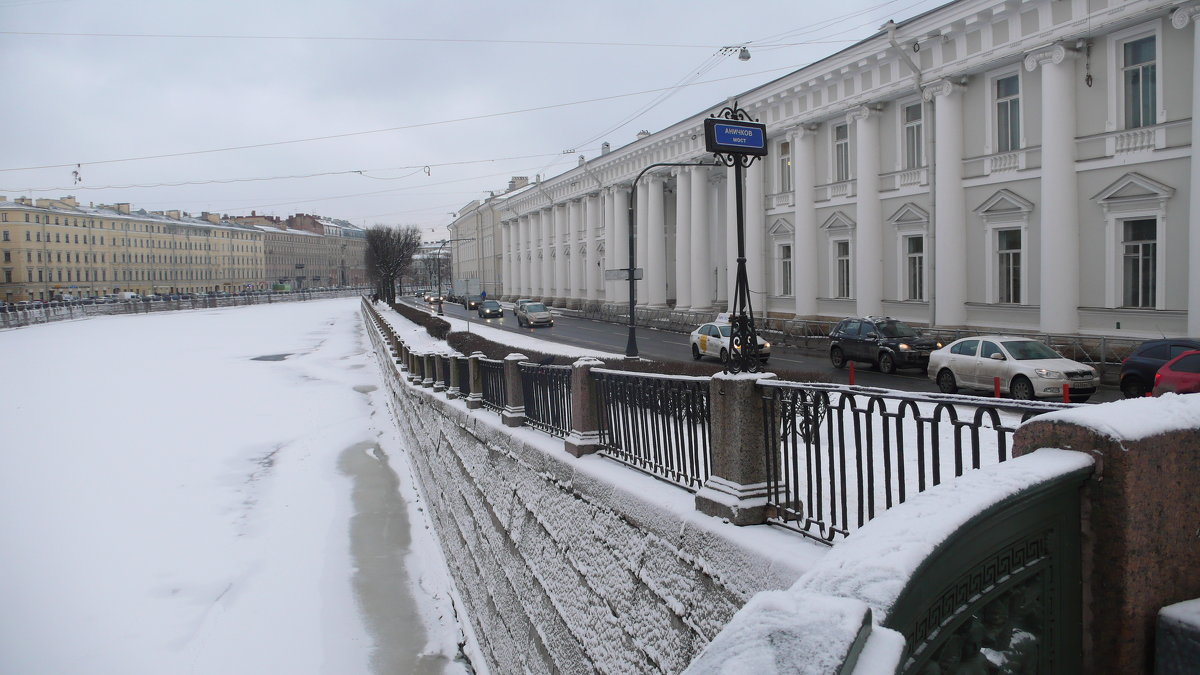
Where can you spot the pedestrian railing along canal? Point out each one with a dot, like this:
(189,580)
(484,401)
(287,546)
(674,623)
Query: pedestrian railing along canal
(839,456)
(491,373)
(547,391)
(660,425)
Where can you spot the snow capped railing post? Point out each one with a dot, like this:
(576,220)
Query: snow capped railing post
(514,407)
(402,357)
(475,383)
(737,487)
(584,436)
(427,369)
(439,372)
(456,383)
(415,367)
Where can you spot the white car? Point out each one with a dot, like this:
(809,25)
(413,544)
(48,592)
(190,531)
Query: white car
(712,339)
(1027,369)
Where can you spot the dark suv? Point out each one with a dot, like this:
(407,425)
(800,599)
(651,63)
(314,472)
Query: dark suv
(883,342)
(1137,371)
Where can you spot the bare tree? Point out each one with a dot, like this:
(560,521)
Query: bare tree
(389,252)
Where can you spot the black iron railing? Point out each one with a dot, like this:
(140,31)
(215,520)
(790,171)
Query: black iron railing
(837,456)
(445,369)
(491,371)
(547,391)
(655,423)
(464,375)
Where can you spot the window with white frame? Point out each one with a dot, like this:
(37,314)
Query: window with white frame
(841,153)
(841,252)
(1008,266)
(914,267)
(912,136)
(1139,262)
(785,269)
(785,167)
(1008,113)
(1139,81)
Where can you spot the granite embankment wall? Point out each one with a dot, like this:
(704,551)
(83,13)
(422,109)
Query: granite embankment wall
(576,565)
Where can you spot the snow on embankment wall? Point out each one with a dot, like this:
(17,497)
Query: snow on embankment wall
(577,565)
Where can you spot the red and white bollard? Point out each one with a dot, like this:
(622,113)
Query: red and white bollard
(996,387)
(851,372)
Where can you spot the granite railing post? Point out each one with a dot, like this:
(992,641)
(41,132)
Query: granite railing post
(475,386)
(402,357)
(737,487)
(584,436)
(439,372)
(416,366)
(514,393)
(455,388)
(427,369)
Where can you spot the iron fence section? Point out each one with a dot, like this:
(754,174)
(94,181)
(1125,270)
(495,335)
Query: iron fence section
(547,392)
(837,456)
(464,375)
(658,424)
(491,371)
(445,369)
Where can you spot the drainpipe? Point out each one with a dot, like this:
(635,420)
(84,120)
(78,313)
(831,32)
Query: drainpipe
(927,113)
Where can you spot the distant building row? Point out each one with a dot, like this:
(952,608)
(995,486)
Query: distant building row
(989,164)
(57,247)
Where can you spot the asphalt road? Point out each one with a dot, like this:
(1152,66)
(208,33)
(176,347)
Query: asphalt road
(659,345)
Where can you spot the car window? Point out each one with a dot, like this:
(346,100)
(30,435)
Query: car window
(851,328)
(534,307)
(966,347)
(726,330)
(490,304)
(1187,364)
(1157,352)
(896,329)
(989,348)
(1176,350)
(1030,350)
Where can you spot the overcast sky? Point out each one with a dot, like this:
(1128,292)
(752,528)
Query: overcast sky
(431,104)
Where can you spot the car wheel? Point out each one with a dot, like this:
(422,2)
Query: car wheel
(1133,387)
(837,358)
(695,353)
(946,383)
(1080,398)
(1021,389)
(724,355)
(887,363)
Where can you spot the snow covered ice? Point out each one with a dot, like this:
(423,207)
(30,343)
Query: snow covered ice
(178,494)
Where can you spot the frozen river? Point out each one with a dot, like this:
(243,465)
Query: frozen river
(212,491)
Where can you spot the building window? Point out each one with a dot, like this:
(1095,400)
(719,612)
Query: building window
(26,235)
(1139,262)
(1008,113)
(842,261)
(1138,74)
(785,166)
(785,269)
(7,256)
(912,136)
(1008,263)
(8,276)
(841,153)
(6,235)
(914,266)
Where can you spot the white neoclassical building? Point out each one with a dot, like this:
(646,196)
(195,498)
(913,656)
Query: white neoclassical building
(991,164)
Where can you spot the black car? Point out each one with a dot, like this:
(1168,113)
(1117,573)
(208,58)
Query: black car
(489,308)
(1137,371)
(471,301)
(883,342)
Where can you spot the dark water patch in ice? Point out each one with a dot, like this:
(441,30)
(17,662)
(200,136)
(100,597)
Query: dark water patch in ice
(271,357)
(365,388)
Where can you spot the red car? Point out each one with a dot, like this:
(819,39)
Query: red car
(1180,375)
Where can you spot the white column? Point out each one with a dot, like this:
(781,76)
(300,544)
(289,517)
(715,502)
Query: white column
(868,238)
(535,253)
(577,259)
(701,252)
(610,238)
(731,247)
(522,265)
(562,253)
(640,234)
(502,237)
(549,216)
(1060,211)
(683,238)
(593,208)
(618,255)
(805,279)
(1180,20)
(949,211)
(656,245)
(757,254)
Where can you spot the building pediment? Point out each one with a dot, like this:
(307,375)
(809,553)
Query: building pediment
(781,227)
(838,221)
(1134,188)
(1004,202)
(909,214)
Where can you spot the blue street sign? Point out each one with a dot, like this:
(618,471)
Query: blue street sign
(735,136)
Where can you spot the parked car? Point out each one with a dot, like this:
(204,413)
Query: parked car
(534,314)
(1027,368)
(470,302)
(489,308)
(1180,375)
(1137,371)
(518,303)
(712,339)
(883,342)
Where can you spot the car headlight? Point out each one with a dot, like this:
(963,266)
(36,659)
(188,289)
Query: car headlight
(1048,374)
(766,345)
(904,347)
